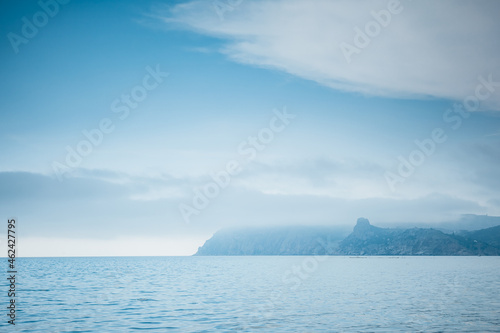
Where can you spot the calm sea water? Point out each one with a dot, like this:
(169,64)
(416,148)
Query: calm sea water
(256,294)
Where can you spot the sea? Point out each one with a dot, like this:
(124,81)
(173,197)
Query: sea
(254,294)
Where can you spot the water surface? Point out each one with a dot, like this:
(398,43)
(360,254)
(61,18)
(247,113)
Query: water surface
(252,294)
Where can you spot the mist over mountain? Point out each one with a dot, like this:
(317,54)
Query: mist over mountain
(365,239)
(292,240)
(468,222)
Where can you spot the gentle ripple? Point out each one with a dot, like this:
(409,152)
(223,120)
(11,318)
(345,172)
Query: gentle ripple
(248,294)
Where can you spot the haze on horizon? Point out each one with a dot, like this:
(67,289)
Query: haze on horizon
(142,128)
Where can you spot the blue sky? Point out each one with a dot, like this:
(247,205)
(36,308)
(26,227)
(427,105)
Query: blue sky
(232,66)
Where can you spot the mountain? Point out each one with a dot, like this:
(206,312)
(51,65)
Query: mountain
(365,239)
(489,235)
(473,222)
(467,222)
(370,240)
(274,241)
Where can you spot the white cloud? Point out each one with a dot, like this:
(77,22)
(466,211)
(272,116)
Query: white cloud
(429,49)
(65,216)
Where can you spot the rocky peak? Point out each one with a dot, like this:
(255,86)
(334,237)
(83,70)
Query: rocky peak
(363,229)
(362,225)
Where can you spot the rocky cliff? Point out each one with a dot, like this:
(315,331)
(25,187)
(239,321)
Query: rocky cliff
(365,239)
(274,241)
(370,240)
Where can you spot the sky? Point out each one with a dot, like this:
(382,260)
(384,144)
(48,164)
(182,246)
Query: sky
(141,128)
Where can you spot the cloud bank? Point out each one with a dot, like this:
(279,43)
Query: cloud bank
(405,49)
